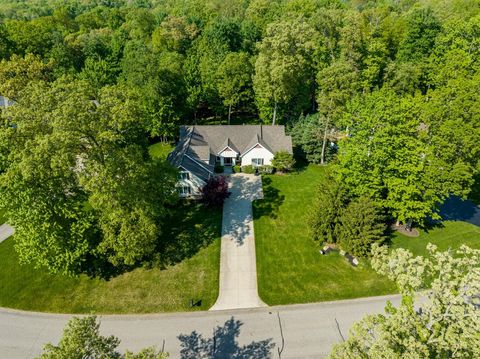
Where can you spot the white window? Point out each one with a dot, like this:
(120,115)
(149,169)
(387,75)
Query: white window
(184,176)
(257,162)
(184,190)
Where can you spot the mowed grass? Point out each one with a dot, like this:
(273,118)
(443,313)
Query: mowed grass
(448,235)
(290,267)
(191,246)
(142,290)
(160,150)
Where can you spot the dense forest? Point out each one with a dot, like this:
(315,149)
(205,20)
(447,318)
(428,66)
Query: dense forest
(387,90)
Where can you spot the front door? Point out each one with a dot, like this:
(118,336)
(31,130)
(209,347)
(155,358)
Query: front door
(227,161)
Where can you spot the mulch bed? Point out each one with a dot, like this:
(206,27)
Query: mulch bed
(403,230)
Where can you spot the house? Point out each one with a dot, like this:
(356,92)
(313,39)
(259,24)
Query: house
(201,148)
(5,102)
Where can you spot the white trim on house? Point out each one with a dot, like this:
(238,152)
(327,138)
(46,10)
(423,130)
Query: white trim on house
(230,149)
(255,153)
(253,147)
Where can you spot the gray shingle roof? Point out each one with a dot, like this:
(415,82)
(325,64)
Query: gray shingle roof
(241,137)
(198,144)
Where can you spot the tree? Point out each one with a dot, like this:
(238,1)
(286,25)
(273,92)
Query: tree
(77,180)
(360,227)
(234,80)
(81,339)
(423,28)
(444,323)
(394,157)
(18,72)
(328,206)
(174,34)
(284,67)
(5,43)
(283,161)
(215,191)
(337,84)
(308,134)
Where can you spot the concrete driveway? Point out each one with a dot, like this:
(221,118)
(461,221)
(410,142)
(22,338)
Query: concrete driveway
(308,330)
(238,268)
(6,231)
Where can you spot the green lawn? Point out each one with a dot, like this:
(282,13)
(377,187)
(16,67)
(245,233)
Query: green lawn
(290,268)
(160,150)
(189,262)
(450,235)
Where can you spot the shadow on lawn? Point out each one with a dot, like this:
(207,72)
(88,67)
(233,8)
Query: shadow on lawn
(272,200)
(189,228)
(223,344)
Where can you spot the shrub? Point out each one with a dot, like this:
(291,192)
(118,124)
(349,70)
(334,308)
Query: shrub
(360,226)
(218,169)
(215,191)
(265,169)
(329,204)
(236,169)
(283,161)
(248,169)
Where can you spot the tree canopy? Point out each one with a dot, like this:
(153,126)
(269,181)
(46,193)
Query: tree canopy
(444,324)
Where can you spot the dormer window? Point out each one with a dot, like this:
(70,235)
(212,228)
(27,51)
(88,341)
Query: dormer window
(184,176)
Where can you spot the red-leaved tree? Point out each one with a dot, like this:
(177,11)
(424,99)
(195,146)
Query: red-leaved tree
(215,191)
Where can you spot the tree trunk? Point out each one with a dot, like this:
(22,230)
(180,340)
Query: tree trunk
(229,113)
(324,144)
(275,113)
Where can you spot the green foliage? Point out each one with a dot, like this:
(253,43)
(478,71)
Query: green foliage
(265,169)
(249,169)
(18,72)
(283,161)
(360,227)
(218,169)
(78,181)
(81,339)
(443,324)
(234,80)
(283,69)
(236,169)
(307,136)
(395,157)
(328,208)
(423,28)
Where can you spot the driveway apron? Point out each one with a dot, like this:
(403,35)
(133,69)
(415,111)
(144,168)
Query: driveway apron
(238,269)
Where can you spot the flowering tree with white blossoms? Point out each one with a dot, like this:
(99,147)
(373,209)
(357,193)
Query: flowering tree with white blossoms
(439,315)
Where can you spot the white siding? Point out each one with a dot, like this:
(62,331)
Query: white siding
(228,153)
(194,182)
(257,153)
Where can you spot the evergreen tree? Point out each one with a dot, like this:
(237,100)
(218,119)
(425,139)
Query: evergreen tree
(360,227)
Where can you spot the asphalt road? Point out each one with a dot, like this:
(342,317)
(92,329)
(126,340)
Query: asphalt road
(309,330)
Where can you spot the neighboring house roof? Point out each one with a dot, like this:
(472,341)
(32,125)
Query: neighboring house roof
(5,102)
(198,143)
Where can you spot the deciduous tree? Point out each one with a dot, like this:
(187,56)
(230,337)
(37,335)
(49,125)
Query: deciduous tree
(444,324)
